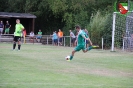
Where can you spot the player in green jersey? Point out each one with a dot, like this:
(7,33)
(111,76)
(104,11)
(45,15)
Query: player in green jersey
(17,34)
(82,36)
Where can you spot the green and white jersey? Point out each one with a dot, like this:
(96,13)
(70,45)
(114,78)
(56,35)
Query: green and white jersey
(81,40)
(18,29)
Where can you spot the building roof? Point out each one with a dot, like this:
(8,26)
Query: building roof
(16,15)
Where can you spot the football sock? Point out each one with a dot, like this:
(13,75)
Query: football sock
(90,47)
(71,57)
(19,47)
(14,45)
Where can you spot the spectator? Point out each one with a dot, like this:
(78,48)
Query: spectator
(39,36)
(55,38)
(7,27)
(87,41)
(1,27)
(24,33)
(31,37)
(73,38)
(60,36)
(76,38)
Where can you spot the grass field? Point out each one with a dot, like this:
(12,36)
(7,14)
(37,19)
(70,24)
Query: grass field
(41,66)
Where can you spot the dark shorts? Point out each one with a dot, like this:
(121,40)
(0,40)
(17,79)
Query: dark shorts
(60,39)
(87,41)
(17,38)
(55,40)
(73,40)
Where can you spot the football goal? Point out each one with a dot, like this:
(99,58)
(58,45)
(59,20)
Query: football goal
(122,31)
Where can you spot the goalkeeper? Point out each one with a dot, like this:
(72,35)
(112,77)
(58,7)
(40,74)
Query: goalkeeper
(81,43)
(17,34)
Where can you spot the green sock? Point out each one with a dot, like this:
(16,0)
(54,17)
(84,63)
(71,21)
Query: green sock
(71,57)
(89,48)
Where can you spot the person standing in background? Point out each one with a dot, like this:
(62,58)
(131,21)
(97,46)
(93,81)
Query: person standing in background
(55,38)
(7,27)
(73,38)
(60,36)
(87,41)
(1,27)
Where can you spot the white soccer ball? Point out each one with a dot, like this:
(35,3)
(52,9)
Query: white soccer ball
(67,57)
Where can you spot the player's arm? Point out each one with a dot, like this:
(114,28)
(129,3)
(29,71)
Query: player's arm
(87,38)
(22,27)
(9,26)
(84,37)
(90,41)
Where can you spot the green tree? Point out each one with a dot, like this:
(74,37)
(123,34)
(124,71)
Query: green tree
(63,14)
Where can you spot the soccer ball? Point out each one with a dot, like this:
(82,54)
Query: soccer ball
(67,57)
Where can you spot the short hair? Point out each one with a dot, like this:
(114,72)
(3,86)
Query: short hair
(77,27)
(18,19)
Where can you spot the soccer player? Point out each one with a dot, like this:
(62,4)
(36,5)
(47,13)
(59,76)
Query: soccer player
(80,42)
(17,34)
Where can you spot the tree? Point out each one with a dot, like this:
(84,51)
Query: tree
(55,14)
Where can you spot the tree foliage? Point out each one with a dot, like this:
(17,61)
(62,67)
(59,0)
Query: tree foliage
(64,14)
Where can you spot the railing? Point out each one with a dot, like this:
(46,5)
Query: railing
(46,39)
(66,40)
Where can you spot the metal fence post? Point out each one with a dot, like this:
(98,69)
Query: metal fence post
(102,43)
(64,41)
(47,40)
(58,41)
(123,45)
(70,42)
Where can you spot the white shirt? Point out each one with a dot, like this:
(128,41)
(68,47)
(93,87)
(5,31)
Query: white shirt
(72,35)
(31,34)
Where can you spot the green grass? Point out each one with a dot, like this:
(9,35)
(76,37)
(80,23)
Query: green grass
(41,66)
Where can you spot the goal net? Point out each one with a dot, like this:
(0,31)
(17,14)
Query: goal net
(122,31)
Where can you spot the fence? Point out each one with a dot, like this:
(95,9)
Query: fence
(46,39)
(66,40)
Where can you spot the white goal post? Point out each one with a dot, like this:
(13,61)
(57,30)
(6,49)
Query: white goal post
(122,28)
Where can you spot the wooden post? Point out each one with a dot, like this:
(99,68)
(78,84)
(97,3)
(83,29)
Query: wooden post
(33,24)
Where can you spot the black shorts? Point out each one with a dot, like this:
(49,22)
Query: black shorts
(55,40)
(87,41)
(60,39)
(17,38)
(73,40)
